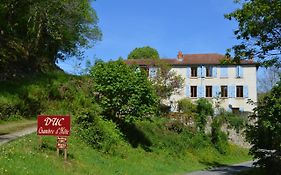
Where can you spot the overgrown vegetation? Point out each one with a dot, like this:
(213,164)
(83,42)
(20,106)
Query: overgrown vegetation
(157,141)
(264,133)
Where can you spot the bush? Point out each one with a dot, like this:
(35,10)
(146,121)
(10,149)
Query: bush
(186,106)
(204,109)
(96,131)
(219,138)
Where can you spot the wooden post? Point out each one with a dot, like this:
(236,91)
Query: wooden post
(58,152)
(65,154)
(40,142)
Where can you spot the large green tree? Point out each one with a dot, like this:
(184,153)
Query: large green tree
(124,92)
(35,34)
(144,53)
(264,134)
(259,30)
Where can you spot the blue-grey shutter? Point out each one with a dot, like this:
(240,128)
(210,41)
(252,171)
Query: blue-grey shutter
(231,91)
(215,91)
(187,92)
(199,71)
(245,91)
(224,72)
(203,74)
(240,71)
(200,91)
(214,72)
(188,72)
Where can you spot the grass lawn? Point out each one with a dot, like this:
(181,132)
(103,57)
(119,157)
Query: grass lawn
(7,127)
(24,157)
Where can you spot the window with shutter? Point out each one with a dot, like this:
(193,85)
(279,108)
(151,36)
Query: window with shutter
(239,71)
(214,72)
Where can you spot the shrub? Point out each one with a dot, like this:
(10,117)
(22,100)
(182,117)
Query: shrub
(96,131)
(219,138)
(204,109)
(186,106)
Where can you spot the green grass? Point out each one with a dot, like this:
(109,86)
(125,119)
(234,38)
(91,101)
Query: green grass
(24,157)
(7,127)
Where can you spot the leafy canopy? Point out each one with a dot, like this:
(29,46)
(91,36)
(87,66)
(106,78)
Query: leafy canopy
(124,92)
(34,34)
(259,31)
(264,134)
(166,82)
(144,53)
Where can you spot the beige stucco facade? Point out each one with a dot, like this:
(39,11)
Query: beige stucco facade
(247,80)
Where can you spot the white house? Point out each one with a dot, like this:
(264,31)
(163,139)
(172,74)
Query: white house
(206,77)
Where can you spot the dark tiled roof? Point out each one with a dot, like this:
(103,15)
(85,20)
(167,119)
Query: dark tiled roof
(188,59)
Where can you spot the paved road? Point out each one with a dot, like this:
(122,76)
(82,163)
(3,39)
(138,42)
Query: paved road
(12,136)
(232,169)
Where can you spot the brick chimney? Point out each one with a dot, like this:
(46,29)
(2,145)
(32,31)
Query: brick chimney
(180,56)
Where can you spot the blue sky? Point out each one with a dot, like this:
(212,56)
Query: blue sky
(196,26)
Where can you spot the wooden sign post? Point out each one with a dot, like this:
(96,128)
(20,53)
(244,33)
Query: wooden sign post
(55,126)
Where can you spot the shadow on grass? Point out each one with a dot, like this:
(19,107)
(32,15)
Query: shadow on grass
(134,135)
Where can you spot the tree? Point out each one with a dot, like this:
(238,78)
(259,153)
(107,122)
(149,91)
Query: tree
(264,134)
(124,92)
(144,53)
(34,34)
(259,31)
(166,81)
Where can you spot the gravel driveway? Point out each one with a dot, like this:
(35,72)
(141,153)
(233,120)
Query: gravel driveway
(12,136)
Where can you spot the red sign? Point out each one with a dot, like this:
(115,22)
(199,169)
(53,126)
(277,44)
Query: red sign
(53,125)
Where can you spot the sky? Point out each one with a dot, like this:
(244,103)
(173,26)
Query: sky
(169,26)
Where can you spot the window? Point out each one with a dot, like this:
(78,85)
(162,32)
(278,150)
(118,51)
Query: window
(239,91)
(193,91)
(208,91)
(223,91)
(193,71)
(209,71)
(152,72)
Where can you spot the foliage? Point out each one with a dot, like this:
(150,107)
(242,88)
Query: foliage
(93,129)
(264,133)
(144,53)
(204,109)
(218,137)
(122,91)
(34,34)
(166,82)
(185,105)
(259,30)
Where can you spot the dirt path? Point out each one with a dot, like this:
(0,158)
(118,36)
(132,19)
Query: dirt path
(232,169)
(12,136)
